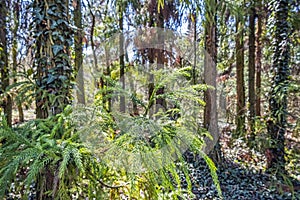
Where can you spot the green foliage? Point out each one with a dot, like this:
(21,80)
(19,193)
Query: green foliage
(70,146)
(41,145)
(123,133)
(53,72)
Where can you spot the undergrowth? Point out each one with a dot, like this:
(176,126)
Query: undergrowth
(82,152)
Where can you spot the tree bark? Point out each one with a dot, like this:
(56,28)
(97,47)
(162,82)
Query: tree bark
(52,58)
(258,61)
(240,83)
(251,68)
(6,103)
(15,54)
(122,59)
(210,75)
(278,96)
(160,102)
(79,53)
(53,74)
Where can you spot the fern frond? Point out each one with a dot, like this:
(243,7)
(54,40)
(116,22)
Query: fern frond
(77,159)
(66,156)
(213,172)
(38,165)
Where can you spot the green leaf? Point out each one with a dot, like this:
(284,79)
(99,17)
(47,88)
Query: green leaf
(50,79)
(56,49)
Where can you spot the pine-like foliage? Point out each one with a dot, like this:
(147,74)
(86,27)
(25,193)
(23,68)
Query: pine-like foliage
(29,152)
(82,150)
(147,148)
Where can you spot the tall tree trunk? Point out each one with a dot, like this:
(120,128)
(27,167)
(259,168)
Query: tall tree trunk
(93,46)
(15,54)
(258,60)
(4,69)
(251,68)
(79,53)
(240,83)
(108,73)
(150,57)
(194,75)
(210,75)
(43,55)
(52,58)
(160,101)
(53,76)
(122,59)
(278,99)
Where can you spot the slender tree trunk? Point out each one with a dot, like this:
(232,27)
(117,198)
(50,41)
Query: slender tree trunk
(79,53)
(278,96)
(210,75)
(258,61)
(93,46)
(194,75)
(15,53)
(6,102)
(160,101)
(108,73)
(251,68)
(43,57)
(150,57)
(240,83)
(122,59)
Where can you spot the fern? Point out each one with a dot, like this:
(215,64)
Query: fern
(33,146)
(66,155)
(213,171)
(83,148)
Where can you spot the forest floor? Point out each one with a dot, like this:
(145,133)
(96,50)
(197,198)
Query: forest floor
(241,174)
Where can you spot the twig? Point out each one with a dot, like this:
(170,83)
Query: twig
(111,186)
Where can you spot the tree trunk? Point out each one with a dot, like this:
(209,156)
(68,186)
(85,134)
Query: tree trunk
(258,61)
(251,68)
(278,96)
(160,101)
(240,88)
(78,53)
(210,75)
(6,103)
(53,75)
(15,54)
(52,57)
(122,59)
(108,73)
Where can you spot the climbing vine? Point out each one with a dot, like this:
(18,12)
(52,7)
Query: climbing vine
(53,38)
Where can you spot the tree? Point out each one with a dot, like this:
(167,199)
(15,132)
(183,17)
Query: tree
(78,39)
(278,95)
(16,16)
(53,72)
(251,67)
(122,56)
(6,104)
(210,74)
(258,58)
(240,83)
(52,62)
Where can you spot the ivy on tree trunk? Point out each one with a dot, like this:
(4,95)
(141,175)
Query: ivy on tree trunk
(52,57)
(54,72)
(6,102)
(278,95)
